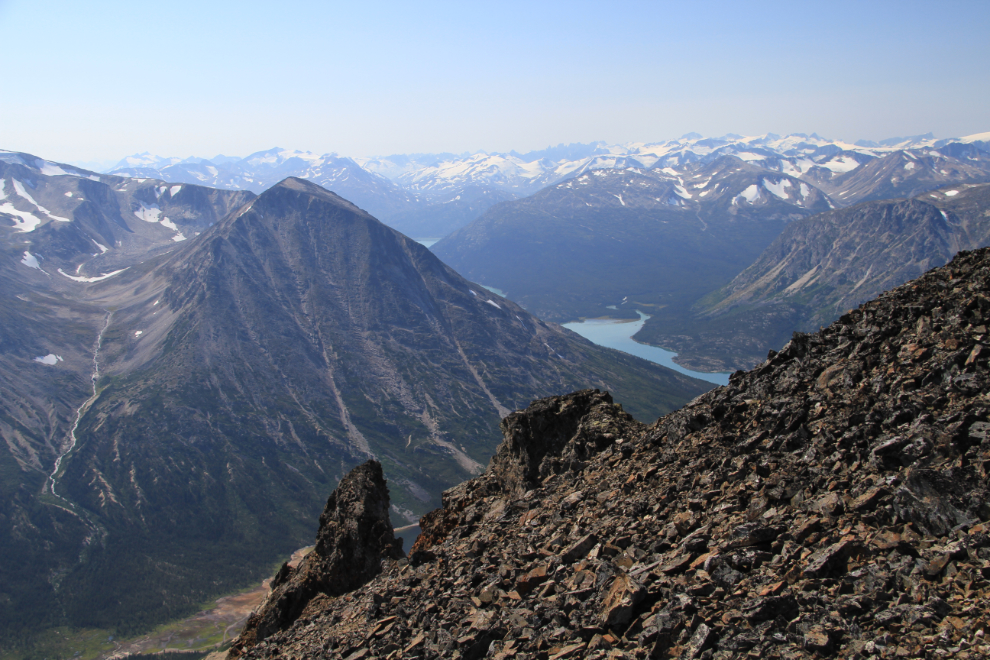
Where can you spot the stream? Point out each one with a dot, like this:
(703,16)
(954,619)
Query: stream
(53,477)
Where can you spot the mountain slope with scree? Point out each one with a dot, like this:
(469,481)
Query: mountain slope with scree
(833,501)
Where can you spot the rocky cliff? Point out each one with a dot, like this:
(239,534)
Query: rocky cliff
(831,502)
(355,535)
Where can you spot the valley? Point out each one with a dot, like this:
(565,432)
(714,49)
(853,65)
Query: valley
(821,267)
(494,331)
(237,374)
(219,359)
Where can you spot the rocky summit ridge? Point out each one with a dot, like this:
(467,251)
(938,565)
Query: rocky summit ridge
(831,502)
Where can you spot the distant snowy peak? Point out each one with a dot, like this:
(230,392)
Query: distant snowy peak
(260,171)
(279,157)
(145,160)
(395,185)
(797,154)
(726,185)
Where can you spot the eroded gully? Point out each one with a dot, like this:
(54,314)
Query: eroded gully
(63,502)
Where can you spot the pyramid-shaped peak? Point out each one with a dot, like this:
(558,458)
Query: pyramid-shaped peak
(308,188)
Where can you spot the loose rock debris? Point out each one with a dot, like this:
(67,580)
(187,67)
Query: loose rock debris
(832,502)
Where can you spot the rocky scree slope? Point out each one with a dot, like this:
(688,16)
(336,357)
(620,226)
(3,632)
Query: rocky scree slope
(831,502)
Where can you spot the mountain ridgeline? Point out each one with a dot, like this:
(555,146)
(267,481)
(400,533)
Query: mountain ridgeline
(819,268)
(608,241)
(430,195)
(240,375)
(693,244)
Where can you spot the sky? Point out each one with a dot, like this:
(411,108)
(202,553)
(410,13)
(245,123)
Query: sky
(95,81)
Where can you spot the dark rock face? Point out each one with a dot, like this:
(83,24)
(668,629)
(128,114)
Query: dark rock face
(355,536)
(834,501)
(553,435)
(557,434)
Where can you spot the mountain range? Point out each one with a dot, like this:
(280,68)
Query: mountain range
(819,268)
(665,241)
(190,368)
(188,371)
(426,182)
(609,240)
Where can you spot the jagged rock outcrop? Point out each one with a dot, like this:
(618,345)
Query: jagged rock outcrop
(552,435)
(834,501)
(355,535)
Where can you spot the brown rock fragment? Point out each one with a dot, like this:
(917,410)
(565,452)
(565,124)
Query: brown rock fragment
(623,596)
(869,500)
(532,579)
(829,559)
(817,639)
(579,548)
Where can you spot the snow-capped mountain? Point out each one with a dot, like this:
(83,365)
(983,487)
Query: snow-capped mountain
(583,246)
(800,155)
(76,226)
(260,171)
(400,188)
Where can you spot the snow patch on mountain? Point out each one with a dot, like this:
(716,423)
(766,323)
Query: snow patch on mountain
(778,188)
(750,194)
(22,192)
(30,261)
(98,278)
(841,164)
(148,213)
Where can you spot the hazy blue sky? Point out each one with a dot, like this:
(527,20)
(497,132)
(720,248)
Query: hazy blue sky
(102,79)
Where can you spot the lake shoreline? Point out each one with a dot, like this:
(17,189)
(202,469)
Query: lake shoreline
(614,333)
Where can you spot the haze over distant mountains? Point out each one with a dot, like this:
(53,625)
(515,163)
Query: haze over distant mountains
(587,230)
(186,363)
(660,239)
(430,195)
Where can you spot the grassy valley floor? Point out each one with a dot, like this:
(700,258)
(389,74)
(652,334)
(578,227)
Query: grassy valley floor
(218,623)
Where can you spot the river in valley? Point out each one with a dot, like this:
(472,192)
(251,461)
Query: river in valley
(618,333)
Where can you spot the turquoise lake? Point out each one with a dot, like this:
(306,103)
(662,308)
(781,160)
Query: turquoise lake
(618,334)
